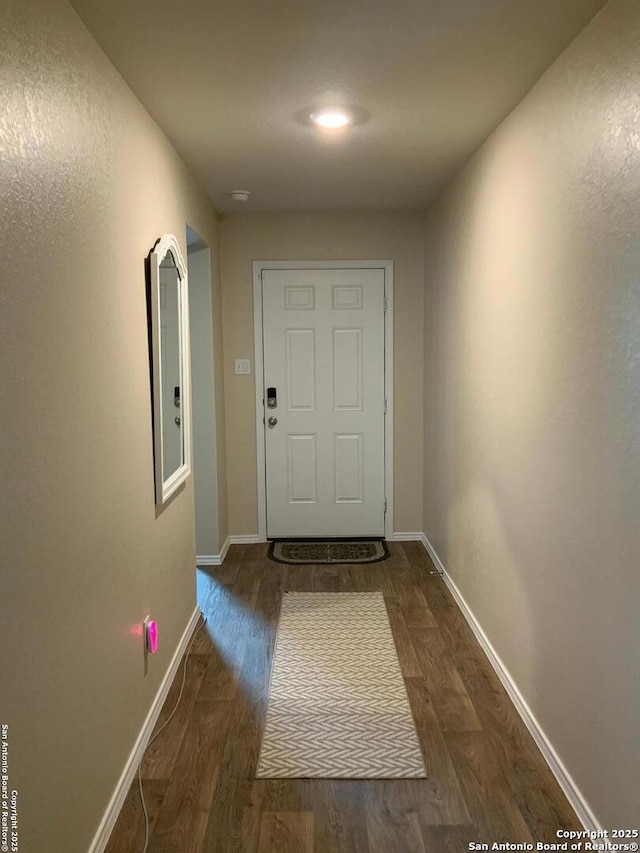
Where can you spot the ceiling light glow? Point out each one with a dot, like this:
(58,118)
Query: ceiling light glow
(331,118)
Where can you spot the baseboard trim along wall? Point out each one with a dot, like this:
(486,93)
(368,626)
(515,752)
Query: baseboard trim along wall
(564,778)
(218,559)
(214,559)
(121,790)
(253,539)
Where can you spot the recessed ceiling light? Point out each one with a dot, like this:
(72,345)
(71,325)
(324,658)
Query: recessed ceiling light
(331,118)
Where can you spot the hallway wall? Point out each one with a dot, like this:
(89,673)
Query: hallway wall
(208,423)
(532,402)
(340,235)
(88,184)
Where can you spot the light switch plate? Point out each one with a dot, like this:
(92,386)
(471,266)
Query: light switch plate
(243,366)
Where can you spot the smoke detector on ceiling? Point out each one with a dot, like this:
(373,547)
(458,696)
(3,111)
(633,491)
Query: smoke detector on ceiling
(240,196)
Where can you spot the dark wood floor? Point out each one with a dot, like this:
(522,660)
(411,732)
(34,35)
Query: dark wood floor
(487,780)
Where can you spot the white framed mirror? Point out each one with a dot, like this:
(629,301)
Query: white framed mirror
(170,368)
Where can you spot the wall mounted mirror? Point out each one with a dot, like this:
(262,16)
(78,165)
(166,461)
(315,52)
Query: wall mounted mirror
(169,315)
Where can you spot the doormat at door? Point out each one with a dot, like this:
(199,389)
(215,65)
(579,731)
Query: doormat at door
(309,551)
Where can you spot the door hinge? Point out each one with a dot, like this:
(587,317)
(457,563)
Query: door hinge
(385,506)
(384,304)
(385,407)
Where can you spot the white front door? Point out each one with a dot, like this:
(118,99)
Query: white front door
(323,338)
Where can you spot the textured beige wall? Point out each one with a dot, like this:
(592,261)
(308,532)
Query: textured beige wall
(218,379)
(323,236)
(88,183)
(532,403)
(205,480)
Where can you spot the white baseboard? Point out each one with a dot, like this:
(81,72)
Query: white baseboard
(437,562)
(253,538)
(121,790)
(214,559)
(565,780)
(218,559)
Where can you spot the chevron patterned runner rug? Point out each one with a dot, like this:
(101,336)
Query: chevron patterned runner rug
(338,706)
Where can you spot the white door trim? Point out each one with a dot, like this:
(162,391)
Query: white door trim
(387,267)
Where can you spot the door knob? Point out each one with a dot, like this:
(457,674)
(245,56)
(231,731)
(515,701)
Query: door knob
(272,421)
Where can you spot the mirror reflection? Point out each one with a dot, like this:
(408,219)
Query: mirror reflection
(171,366)
(168,313)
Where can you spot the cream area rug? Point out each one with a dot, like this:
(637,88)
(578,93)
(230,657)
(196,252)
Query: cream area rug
(338,706)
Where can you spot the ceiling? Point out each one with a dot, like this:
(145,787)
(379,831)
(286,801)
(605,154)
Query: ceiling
(232,83)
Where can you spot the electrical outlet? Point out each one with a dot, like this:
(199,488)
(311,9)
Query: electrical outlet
(150,635)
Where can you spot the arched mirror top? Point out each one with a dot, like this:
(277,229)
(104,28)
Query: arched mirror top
(167,249)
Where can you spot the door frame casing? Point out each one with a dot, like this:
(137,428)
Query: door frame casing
(261,470)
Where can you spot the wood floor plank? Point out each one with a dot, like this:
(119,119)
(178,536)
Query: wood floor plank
(268,598)
(448,839)
(299,578)
(129,833)
(286,832)
(222,606)
(325,578)
(403,573)
(245,588)
(352,578)
(220,680)
(418,557)
(440,796)
(286,795)
(488,796)
(541,800)
(236,772)
(448,693)
(253,808)
(254,552)
(162,753)
(414,607)
(340,824)
(392,818)
(443,606)
(183,820)
(376,578)
(256,666)
(228,815)
(468,655)
(409,663)
(397,558)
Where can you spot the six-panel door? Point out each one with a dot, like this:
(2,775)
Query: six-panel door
(323,333)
